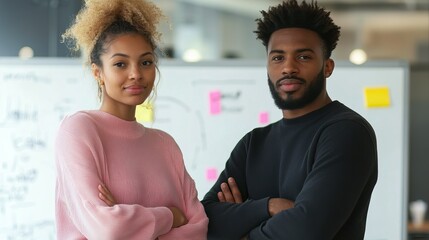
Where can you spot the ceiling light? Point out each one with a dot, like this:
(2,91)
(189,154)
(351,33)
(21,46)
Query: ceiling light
(192,55)
(358,56)
(26,53)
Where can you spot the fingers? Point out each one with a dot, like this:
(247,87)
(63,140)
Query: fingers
(230,192)
(235,191)
(221,197)
(105,195)
(227,193)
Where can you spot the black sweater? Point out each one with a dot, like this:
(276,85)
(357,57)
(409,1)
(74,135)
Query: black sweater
(325,161)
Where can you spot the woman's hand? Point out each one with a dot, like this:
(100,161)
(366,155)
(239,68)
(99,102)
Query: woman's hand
(179,219)
(105,195)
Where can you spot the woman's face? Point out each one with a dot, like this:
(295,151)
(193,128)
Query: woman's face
(127,74)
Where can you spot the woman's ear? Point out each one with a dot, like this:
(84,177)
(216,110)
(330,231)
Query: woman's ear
(329,67)
(96,72)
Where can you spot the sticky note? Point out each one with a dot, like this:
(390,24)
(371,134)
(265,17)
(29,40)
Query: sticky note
(144,112)
(211,174)
(215,102)
(264,117)
(377,97)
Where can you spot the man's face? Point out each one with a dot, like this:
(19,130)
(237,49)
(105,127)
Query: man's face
(296,67)
(311,92)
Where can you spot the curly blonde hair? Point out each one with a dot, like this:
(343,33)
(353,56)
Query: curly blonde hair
(97,16)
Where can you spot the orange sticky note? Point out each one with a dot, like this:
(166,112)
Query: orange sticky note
(377,97)
(144,112)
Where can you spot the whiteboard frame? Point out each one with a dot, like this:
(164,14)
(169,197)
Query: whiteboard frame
(5,61)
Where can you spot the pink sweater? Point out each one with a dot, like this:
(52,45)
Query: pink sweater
(142,167)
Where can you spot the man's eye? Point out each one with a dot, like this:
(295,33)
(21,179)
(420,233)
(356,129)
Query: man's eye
(277,58)
(304,57)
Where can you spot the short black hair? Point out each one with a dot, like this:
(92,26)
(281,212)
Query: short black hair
(290,14)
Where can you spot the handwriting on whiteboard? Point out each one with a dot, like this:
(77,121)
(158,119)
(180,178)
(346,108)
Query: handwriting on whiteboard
(30,111)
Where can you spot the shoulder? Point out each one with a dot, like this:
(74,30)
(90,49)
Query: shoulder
(259,134)
(349,137)
(159,135)
(79,122)
(346,124)
(76,129)
(165,144)
(266,129)
(348,117)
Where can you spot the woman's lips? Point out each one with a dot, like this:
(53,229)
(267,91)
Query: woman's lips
(134,89)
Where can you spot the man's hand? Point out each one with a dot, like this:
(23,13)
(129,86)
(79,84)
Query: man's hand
(105,195)
(230,192)
(179,219)
(276,205)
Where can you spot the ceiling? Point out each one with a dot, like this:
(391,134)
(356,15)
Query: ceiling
(387,29)
(403,23)
(391,13)
(252,7)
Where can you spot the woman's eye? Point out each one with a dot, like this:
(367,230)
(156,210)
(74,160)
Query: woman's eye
(119,64)
(147,63)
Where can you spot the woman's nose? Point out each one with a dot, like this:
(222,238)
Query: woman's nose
(135,73)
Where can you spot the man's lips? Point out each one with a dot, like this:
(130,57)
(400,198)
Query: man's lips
(290,84)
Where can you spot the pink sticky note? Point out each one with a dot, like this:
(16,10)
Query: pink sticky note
(214,101)
(211,174)
(264,117)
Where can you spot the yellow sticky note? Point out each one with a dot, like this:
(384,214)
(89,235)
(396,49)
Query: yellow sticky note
(377,97)
(144,112)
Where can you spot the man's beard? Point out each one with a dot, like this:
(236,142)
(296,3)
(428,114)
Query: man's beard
(310,94)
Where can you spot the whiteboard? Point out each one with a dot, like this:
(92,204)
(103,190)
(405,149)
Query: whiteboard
(206,107)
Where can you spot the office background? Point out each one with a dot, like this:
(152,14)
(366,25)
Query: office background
(216,29)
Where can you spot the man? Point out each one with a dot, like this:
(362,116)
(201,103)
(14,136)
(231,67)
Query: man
(311,174)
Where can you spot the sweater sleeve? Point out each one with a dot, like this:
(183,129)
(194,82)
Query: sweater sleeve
(196,228)
(77,196)
(336,190)
(230,220)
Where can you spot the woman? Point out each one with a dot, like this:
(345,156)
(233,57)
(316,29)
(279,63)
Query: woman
(105,153)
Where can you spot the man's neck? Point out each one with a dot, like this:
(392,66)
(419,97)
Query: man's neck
(316,104)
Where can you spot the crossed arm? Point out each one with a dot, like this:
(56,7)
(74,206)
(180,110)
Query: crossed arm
(179,217)
(342,166)
(231,193)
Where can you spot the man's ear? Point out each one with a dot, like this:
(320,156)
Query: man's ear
(329,67)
